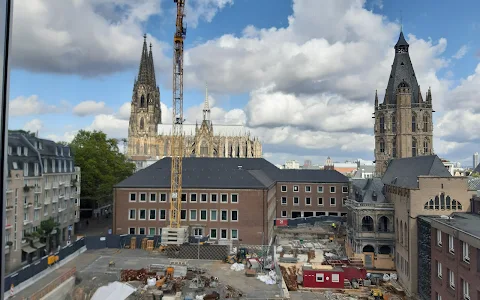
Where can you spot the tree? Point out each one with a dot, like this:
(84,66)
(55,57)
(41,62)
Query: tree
(102,165)
(45,230)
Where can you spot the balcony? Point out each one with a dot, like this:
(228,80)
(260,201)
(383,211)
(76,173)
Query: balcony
(55,185)
(48,185)
(55,199)
(27,205)
(378,235)
(37,190)
(26,222)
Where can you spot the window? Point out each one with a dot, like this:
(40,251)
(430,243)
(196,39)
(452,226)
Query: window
(203,198)
(143,197)
(345,189)
(466,289)
(193,215)
(162,214)
(234,215)
(152,214)
(141,230)
(213,215)
(234,198)
(308,201)
(439,297)
(224,198)
(10,150)
(223,234)
(198,231)
(131,214)
(296,201)
(213,198)
(320,189)
(332,189)
(284,200)
(213,233)
(333,201)
(335,278)
(451,279)
(163,197)
(320,201)
(425,123)
(142,214)
(25,151)
(308,189)
(319,277)
(224,215)
(295,188)
(439,238)
(234,234)
(394,147)
(131,230)
(183,214)
(414,123)
(451,246)
(284,213)
(184,197)
(284,188)
(153,197)
(414,147)
(382,127)
(203,215)
(19,150)
(35,169)
(151,231)
(425,146)
(382,145)
(439,270)
(466,252)
(25,169)
(394,124)
(193,197)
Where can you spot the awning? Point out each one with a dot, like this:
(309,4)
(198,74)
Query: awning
(28,249)
(38,245)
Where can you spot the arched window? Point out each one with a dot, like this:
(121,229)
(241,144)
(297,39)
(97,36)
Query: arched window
(437,203)
(414,123)
(414,147)
(394,147)
(382,145)
(382,124)
(425,146)
(204,149)
(367,223)
(394,123)
(425,123)
(142,101)
(142,124)
(443,203)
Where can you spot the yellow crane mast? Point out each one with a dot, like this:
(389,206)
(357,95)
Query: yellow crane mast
(177,128)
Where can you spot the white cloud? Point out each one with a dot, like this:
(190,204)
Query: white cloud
(203,10)
(461,52)
(90,37)
(68,136)
(109,124)
(33,125)
(90,107)
(32,105)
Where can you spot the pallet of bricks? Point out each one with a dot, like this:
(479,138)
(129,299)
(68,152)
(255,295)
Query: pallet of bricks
(290,277)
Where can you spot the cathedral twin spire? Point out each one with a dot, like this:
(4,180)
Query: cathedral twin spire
(146,71)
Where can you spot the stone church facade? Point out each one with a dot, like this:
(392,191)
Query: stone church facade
(149,139)
(403,122)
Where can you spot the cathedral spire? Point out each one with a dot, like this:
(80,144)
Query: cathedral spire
(146,71)
(206,107)
(376,99)
(151,66)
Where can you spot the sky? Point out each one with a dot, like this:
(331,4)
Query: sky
(299,74)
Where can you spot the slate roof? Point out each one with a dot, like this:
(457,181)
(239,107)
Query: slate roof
(404,172)
(402,70)
(477,169)
(363,168)
(39,151)
(467,222)
(369,190)
(225,173)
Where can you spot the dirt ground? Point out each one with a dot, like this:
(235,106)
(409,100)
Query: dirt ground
(99,273)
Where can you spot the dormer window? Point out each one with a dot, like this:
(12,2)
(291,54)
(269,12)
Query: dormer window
(56,151)
(10,150)
(25,169)
(53,165)
(61,151)
(15,165)
(45,165)
(25,151)
(36,169)
(19,150)
(40,145)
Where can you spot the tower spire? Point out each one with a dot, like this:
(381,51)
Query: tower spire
(206,106)
(151,67)
(143,71)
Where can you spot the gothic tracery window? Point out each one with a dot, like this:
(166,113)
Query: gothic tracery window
(414,147)
(394,123)
(414,123)
(382,124)
(204,149)
(382,145)
(425,123)
(142,101)
(425,146)
(394,147)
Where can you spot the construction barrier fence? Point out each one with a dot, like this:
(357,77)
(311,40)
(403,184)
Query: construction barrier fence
(40,265)
(53,285)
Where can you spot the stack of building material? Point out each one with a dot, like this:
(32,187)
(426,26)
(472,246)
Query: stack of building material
(150,245)
(133,243)
(290,277)
(144,243)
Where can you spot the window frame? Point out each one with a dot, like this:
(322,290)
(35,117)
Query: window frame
(210,234)
(221,215)
(231,198)
(140,197)
(310,200)
(451,244)
(190,214)
(465,252)
(296,189)
(439,270)
(154,230)
(150,197)
(186,214)
(186,198)
(231,234)
(284,214)
(216,215)
(190,198)
(320,189)
(222,196)
(160,214)
(130,230)
(298,201)
(286,201)
(284,188)
(439,238)
(345,189)
(130,197)
(134,213)
(334,189)
(201,197)
(149,214)
(212,196)
(465,289)
(140,230)
(334,200)
(226,234)
(160,198)
(320,278)
(140,214)
(308,189)
(451,279)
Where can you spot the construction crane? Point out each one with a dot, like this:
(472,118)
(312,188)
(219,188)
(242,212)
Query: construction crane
(175,234)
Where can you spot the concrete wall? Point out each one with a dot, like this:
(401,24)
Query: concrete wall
(61,291)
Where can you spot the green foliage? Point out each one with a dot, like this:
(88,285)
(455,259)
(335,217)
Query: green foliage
(63,143)
(47,226)
(475,174)
(102,165)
